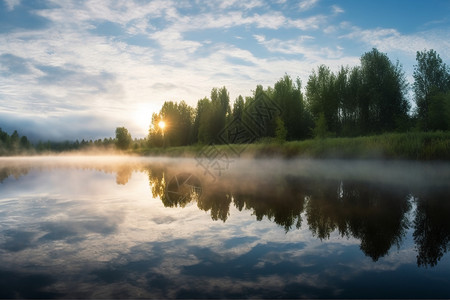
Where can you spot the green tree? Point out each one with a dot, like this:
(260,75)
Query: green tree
(24,143)
(321,128)
(321,98)
(204,117)
(350,105)
(289,97)
(123,138)
(280,130)
(15,140)
(383,104)
(155,132)
(178,125)
(238,108)
(439,111)
(431,78)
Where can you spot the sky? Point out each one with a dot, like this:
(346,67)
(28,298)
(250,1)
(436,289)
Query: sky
(79,69)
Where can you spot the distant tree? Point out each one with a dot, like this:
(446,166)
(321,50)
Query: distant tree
(431,78)
(4,139)
(123,138)
(24,143)
(15,139)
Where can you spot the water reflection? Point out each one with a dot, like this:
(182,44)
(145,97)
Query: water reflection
(336,228)
(432,225)
(374,213)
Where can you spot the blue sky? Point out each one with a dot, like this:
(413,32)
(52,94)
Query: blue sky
(79,69)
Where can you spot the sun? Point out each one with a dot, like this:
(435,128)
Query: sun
(162,124)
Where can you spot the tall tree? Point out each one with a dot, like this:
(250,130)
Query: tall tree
(321,97)
(384,104)
(203,119)
(289,97)
(123,138)
(431,78)
(220,110)
(155,132)
(178,119)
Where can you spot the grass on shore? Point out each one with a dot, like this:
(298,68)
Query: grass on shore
(411,146)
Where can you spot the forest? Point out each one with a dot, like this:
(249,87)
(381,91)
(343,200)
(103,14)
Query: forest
(368,99)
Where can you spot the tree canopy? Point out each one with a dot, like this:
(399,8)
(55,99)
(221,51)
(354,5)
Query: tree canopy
(369,98)
(432,91)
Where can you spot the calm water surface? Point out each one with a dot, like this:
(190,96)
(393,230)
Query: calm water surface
(127,227)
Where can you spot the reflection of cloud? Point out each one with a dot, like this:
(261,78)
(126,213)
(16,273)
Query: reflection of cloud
(14,64)
(109,240)
(17,240)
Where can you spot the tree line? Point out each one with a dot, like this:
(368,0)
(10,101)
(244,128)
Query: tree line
(13,143)
(369,98)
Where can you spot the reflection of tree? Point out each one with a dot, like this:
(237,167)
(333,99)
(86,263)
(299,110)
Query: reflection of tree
(377,216)
(279,199)
(372,213)
(432,226)
(16,172)
(218,203)
(182,189)
(157,182)
(325,210)
(124,174)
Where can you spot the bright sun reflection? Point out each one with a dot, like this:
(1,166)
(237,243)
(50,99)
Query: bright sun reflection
(162,124)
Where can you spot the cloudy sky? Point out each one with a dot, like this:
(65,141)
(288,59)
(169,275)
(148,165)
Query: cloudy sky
(79,69)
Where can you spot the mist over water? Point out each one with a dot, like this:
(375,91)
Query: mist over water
(132,227)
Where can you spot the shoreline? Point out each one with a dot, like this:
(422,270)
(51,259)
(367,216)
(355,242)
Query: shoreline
(404,146)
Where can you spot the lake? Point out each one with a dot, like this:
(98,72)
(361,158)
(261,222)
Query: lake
(133,227)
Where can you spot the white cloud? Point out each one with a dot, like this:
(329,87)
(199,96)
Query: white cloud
(241,4)
(307,4)
(337,10)
(11,4)
(389,39)
(212,44)
(313,22)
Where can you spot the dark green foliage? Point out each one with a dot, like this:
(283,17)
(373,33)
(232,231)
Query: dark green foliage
(289,98)
(203,116)
(123,138)
(280,130)
(366,99)
(431,83)
(320,92)
(321,128)
(14,144)
(385,86)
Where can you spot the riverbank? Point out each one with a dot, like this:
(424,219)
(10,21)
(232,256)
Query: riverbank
(410,146)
